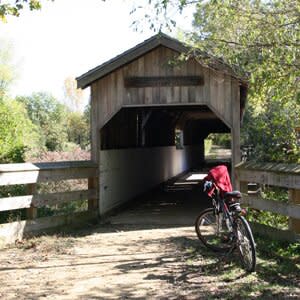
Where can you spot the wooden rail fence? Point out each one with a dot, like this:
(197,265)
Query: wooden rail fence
(32,174)
(272,174)
(281,175)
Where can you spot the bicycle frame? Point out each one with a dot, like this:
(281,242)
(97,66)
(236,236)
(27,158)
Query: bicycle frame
(221,208)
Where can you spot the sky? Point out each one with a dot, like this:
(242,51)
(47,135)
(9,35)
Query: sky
(69,37)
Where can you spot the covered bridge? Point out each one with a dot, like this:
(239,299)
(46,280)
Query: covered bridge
(142,100)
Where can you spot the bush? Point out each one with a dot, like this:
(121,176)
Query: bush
(49,116)
(221,139)
(268,218)
(51,156)
(207,145)
(17,133)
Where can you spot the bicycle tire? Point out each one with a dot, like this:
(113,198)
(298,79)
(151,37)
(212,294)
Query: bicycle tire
(206,226)
(245,244)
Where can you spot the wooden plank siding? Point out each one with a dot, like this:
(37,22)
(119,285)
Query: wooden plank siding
(111,94)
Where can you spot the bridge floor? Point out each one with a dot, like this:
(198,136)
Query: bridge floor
(159,207)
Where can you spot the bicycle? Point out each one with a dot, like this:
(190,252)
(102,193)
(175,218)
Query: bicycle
(223,227)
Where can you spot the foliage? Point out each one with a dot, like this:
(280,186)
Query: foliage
(78,129)
(260,39)
(263,39)
(267,218)
(87,113)
(59,127)
(17,133)
(284,250)
(275,193)
(272,132)
(50,116)
(207,145)
(13,8)
(74,97)
(52,156)
(7,69)
(221,139)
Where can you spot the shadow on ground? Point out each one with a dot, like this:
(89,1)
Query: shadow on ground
(148,251)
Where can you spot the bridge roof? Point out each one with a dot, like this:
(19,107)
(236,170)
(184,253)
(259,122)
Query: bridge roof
(139,50)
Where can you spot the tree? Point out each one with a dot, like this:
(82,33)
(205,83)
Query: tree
(13,8)
(50,116)
(260,39)
(17,133)
(78,129)
(7,69)
(74,97)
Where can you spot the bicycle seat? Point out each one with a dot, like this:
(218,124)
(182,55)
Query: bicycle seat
(233,194)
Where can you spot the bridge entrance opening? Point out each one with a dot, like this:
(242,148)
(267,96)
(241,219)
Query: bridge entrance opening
(146,147)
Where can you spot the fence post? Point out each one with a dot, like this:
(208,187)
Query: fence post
(31,212)
(93,202)
(244,187)
(294,198)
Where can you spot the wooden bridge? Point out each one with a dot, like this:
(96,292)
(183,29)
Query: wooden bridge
(143,102)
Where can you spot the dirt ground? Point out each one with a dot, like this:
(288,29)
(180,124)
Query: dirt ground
(135,261)
(119,263)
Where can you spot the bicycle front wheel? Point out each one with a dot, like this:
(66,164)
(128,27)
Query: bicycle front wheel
(245,244)
(212,231)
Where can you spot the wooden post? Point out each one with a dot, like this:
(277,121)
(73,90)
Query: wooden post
(243,187)
(93,202)
(31,212)
(95,145)
(235,131)
(294,198)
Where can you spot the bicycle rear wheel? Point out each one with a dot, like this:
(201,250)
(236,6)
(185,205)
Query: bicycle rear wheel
(212,231)
(245,244)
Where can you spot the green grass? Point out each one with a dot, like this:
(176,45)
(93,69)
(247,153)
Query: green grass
(277,273)
(268,218)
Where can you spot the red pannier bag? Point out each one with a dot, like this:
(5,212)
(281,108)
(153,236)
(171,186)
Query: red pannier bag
(220,176)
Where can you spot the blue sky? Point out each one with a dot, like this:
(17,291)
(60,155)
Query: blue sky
(67,38)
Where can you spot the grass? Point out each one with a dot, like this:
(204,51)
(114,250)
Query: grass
(268,218)
(277,273)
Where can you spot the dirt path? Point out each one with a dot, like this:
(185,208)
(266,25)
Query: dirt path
(110,265)
(130,262)
(130,259)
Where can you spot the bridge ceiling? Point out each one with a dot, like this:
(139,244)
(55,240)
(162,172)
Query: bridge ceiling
(155,126)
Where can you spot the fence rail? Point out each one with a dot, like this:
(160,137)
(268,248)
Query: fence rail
(272,174)
(32,174)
